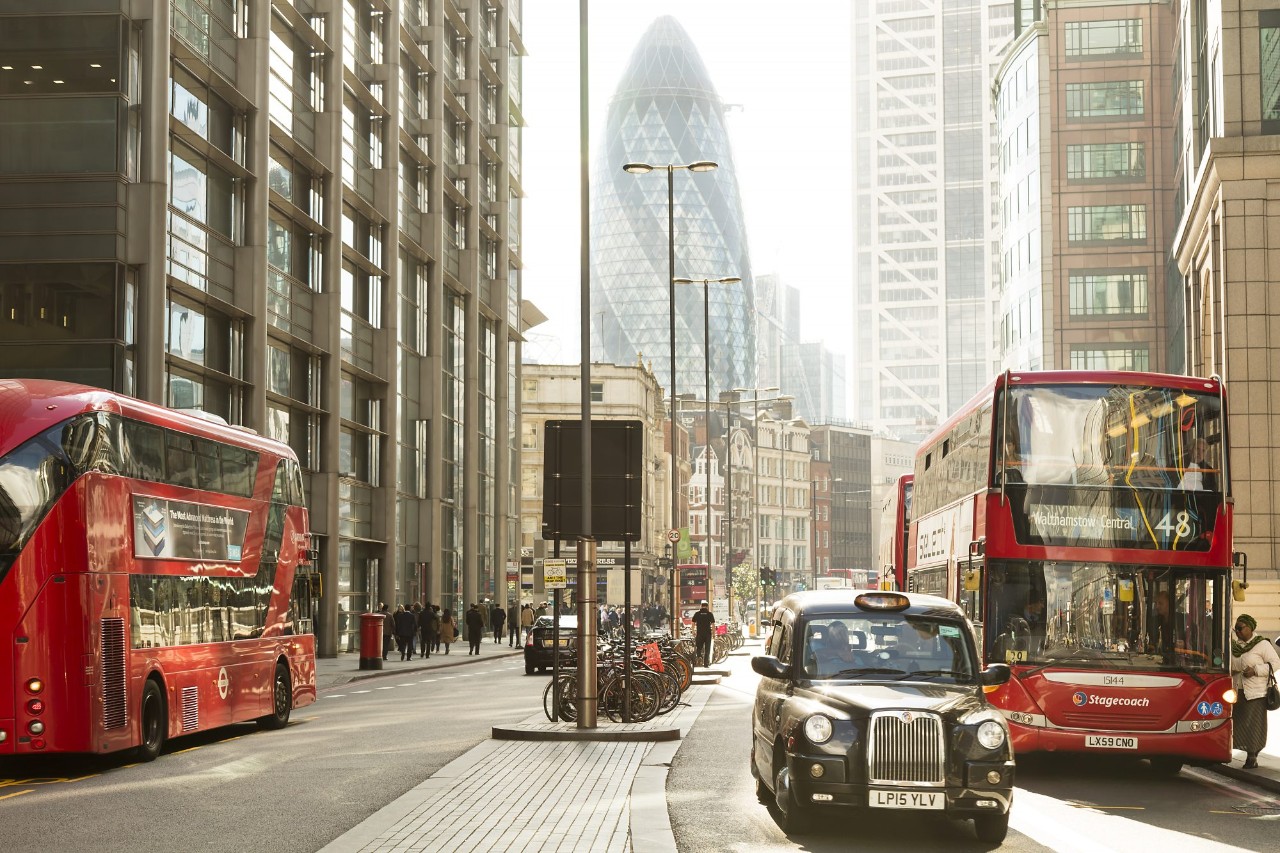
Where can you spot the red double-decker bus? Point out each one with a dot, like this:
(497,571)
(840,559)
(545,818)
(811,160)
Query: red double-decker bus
(147,561)
(895,524)
(1082,520)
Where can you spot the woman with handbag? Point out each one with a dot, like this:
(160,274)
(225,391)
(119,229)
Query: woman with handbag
(448,629)
(1253,664)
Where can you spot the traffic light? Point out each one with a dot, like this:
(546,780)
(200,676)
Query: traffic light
(768,576)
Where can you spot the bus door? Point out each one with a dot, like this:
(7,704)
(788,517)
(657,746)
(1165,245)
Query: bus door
(971,572)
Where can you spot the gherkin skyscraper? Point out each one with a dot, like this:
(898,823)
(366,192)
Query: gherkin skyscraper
(665,112)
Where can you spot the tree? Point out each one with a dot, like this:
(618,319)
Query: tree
(744,587)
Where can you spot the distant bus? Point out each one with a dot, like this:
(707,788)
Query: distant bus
(1083,521)
(895,524)
(846,579)
(147,564)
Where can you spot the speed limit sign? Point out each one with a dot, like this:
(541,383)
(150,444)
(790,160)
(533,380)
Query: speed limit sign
(673,536)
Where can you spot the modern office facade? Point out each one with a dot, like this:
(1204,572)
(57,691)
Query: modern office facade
(844,450)
(924,231)
(302,217)
(666,112)
(1226,130)
(1086,189)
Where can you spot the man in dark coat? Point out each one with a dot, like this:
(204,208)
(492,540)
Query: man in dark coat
(513,624)
(425,616)
(406,627)
(388,630)
(497,617)
(703,621)
(475,629)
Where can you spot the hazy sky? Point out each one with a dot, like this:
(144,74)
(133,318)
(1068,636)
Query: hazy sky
(783,68)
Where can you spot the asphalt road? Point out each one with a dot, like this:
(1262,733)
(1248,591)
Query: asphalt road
(1059,804)
(354,751)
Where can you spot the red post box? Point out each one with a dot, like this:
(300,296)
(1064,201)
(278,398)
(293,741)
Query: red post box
(371,640)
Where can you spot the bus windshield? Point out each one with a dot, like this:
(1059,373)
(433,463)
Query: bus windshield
(32,477)
(1110,435)
(1114,466)
(1106,616)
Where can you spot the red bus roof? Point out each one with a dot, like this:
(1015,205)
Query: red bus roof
(30,406)
(1073,377)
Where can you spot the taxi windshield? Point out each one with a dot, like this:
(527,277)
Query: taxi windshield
(884,647)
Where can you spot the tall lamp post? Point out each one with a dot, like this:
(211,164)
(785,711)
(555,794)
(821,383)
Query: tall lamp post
(706,374)
(671,169)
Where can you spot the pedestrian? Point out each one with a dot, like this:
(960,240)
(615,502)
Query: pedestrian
(542,609)
(416,610)
(703,621)
(448,630)
(424,628)
(406,626)
(513,623)
(615,619)
(475,629)
(1253,659)
(497,617)
(434,626)
(526,622)
(388,630)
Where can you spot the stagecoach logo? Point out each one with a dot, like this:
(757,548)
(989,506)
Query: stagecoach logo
(224,683)
(1080,699)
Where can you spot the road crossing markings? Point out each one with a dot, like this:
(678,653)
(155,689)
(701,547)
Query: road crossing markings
(15,794)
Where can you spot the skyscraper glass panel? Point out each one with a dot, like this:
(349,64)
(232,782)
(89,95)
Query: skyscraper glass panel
(666,112)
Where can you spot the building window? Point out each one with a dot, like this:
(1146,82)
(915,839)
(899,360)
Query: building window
(1107,222)
(1105,100)
(529,390)
(1269,64)
(1108,293)
(1111,358)
(1104,39)
(1106,161)
(597,392)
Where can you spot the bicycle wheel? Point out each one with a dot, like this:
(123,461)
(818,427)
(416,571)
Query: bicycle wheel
(645,696)
(678,666)
(568,697)
(670,695)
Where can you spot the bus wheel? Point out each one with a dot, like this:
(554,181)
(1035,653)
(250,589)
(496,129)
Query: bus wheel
(281,700)
(152,721)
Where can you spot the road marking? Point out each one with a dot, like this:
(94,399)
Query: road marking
(188,749)
(15,794)
(1075,805)
(335,696)
(428,681)
(410,684)
(386,688)
(361,691)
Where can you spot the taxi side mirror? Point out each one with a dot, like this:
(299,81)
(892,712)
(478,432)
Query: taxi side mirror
(770,667)
(996,674)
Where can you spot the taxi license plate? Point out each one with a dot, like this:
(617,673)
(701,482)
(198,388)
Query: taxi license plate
(1110,742)
(907,799)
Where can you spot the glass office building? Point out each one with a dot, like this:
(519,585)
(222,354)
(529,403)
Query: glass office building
(303,217)
(666,111)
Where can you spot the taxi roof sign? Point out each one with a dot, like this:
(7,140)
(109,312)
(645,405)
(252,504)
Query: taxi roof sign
(882,601)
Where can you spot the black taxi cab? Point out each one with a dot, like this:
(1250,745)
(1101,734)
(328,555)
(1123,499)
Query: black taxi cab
(875,700)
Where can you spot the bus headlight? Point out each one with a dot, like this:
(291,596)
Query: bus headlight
(991,735)
(818,728)
(1229,696)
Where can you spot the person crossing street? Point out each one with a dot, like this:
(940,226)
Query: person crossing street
(703,623)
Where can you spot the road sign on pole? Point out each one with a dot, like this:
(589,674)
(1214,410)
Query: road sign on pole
(673,536)
(554,575)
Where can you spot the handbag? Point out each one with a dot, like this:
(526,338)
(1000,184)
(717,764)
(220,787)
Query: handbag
(1272,699)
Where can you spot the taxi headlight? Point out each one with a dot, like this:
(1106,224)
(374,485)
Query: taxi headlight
(818,728)
(991,734)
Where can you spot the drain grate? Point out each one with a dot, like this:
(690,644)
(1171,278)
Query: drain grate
(1258,811)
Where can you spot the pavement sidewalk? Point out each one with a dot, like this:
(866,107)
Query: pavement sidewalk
(574,796)
(1267,774)
(345,668)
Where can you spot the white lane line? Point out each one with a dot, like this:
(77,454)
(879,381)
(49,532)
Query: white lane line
(335,696)
(428,681)
(361,691)
(1077,829)
(410,684)
(386,688)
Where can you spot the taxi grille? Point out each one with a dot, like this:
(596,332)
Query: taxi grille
(905,747)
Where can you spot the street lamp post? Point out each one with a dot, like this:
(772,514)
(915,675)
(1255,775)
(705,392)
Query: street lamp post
(706,374)
(671,169)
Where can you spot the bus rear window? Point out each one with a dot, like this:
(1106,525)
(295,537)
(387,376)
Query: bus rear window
(32,478)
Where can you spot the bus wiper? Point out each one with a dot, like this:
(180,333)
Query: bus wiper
(1182,669)
(1077,657)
